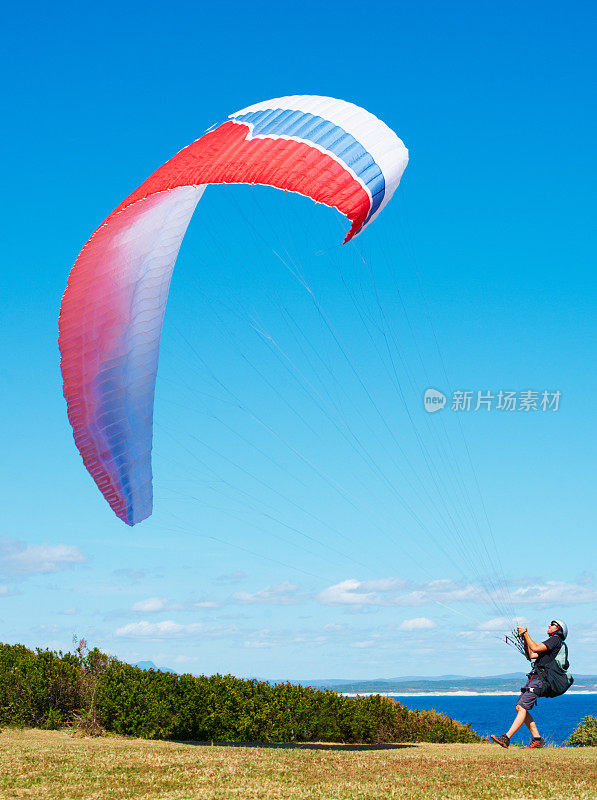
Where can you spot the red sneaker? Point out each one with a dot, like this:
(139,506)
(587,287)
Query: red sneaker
(540,742)
(503,740)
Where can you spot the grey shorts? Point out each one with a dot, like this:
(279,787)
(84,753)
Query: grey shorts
(530,692)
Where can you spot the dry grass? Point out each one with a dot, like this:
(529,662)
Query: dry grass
(48,765)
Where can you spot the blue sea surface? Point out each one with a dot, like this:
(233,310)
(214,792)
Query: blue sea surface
(556,717)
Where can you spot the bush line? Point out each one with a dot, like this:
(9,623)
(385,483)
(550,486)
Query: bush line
(585,733)
(96,692)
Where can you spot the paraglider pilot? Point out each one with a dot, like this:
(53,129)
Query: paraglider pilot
(541,654)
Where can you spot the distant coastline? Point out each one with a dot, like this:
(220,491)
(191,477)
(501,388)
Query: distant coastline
(458,686)
(458,693)
(419,686)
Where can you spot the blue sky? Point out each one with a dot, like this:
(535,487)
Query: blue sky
(254,562)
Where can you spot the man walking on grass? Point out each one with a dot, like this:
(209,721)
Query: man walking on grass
(541,655)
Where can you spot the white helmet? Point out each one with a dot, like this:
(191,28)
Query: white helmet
(563,627)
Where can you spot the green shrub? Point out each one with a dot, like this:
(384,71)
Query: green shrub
(38,689)
(585,733)
(96,692)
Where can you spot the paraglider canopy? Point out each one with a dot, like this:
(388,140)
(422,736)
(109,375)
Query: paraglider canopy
(112,311)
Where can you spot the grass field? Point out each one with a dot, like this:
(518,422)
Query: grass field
(52,765)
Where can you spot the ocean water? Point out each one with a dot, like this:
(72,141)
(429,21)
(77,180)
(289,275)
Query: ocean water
(556,717)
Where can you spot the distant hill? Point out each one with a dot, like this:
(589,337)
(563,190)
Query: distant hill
(151,665)
(443,685)
(145,665)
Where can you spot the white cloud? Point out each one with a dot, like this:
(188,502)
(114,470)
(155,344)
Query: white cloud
(280,595)
(129,575)
(22,559)
(158,630)
(398,592)
(588,633)
(70,611)
(168,629)
(153,604)
(48,628)
(312,639)
(501,624)
(263,638)
(385,584)
(347,593)
(363,645)
(417,624)
(555,593)
(232,577)
(266,638)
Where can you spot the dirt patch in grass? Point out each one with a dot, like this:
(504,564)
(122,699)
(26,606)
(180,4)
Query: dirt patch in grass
(55,766)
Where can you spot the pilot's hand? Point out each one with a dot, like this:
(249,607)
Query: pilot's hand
(521,631)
